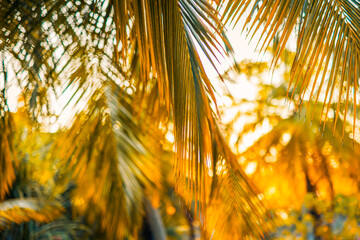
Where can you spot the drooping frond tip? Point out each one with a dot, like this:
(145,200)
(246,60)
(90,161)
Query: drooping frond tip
(169,36)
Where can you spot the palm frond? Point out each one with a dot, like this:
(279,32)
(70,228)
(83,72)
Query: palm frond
(61,228)
(231,213)
(8,158)
(168,34)
(46,43)
(152,55)
(292,146)
(22,210)
(80,63)
(328,44)
(33,211)
(114,150)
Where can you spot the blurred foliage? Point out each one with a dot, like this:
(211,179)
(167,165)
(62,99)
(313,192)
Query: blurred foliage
(46,201)
(306,170)
(340,220)
(35,207)
(116,132)
(132,111)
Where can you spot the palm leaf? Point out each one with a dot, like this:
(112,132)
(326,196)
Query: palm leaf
(328,44)
(46,41)
(167,34)
(22,210)
(81,62)
(8,158)
(154,58)
(231,216)
(61,228)
(113,150)
(33,211)
(306,150)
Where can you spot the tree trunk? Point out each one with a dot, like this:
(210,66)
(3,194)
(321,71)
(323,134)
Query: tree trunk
(154,228)
(311,188)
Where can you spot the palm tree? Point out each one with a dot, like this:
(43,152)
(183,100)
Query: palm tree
(37,206)
(327,44)
(295,157)
(136,84)
(134,68)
